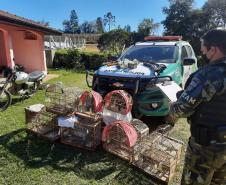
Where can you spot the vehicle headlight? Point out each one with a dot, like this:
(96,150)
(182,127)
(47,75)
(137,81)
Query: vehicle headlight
(155,105)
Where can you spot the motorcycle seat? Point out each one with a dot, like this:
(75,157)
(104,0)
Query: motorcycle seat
(35,75)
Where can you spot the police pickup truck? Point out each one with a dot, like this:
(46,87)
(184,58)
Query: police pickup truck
(143,65)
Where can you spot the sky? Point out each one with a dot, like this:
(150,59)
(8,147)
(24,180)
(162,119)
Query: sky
(126,12)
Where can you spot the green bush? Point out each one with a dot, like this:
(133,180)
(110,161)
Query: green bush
(69,59)
(60,58)
(74,59)
(93,60)
(114,41)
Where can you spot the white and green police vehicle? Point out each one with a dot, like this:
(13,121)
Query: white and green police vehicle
(142,66)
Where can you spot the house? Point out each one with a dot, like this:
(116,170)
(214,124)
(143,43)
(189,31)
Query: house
(22,42)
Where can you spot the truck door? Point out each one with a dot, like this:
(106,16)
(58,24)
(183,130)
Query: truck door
(185,69)
(191,54)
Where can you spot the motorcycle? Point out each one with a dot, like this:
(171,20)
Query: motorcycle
(18,83)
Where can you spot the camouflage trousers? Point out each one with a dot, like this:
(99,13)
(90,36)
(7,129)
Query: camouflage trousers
(204,165)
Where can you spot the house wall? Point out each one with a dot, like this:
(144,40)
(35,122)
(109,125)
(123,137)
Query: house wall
(28,53)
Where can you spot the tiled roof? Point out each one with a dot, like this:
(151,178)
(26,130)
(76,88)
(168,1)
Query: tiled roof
(9,18)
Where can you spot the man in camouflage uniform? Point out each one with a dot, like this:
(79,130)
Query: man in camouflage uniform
(203,102)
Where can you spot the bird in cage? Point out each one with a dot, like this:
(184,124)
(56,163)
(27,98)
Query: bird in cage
(117,106)
(123,132)
(90,102)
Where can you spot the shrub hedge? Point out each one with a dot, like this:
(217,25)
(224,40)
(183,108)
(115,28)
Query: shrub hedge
(79,60)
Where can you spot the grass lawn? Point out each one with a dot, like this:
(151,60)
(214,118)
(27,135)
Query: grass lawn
(28,160)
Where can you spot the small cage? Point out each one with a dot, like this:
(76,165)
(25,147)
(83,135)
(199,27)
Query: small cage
(44,125)
(119,138)
(32,111)
(91,102)
(86,132)
(157,155)
(62,101)
(117,106)
(141,128)
(118,101)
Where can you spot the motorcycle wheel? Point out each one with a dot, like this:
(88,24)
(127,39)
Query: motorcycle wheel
(5,100)
(35,87)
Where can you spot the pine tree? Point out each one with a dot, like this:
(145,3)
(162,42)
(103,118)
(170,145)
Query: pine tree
(99,25)
(109,20)
(71,26)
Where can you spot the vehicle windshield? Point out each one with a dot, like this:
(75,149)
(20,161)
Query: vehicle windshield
(158,54)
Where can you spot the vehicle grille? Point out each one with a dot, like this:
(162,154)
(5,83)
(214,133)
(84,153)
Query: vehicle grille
(107,84)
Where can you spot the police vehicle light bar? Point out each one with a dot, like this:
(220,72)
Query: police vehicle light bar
(164,38)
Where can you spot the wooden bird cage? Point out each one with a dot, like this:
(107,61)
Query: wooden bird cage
(62,101)
(157,155)
(119,138)
(32,111)
(86,132)
(44,125)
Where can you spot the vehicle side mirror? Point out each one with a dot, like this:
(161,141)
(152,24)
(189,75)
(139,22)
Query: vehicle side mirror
(188,61)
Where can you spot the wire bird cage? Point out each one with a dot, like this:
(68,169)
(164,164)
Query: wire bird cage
(117,106)
(140,127)
(118,101)
(62,101)
(119,139)
(90,102)
(157,155)
(86,132)
(44,124)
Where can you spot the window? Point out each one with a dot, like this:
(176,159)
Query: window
(165,54)
(190,53)
(184,53)
(29,36)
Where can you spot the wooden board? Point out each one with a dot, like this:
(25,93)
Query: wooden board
(48,133)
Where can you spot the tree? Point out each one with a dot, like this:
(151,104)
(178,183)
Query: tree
(178,20)
(99,25)
(88,27)
(109,20)
(136,37)
(114,41)
(71,26)
(191,23)
(147,27)
(127,28)
(182,19)
(216,12)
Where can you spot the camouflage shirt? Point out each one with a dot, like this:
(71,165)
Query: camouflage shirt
(201,86)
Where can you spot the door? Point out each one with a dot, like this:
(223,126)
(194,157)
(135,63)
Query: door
(3,59)
(4,49)
(191,54)
(186,70)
